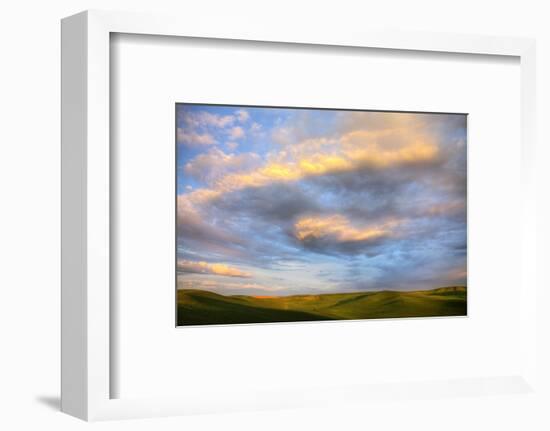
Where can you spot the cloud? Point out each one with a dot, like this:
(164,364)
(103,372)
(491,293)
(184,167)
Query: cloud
(210,166)
(339,228)
(256,127)
(195,230)
(388,148)
(210,268)
(236,132)
(196,128)
(242,115)
(349,154)
(283,136)
(362,173)
(377,198)
(203,119)
(407,143)
(457,275)
(446,208)
(193,139)
(258,205)
(225,287)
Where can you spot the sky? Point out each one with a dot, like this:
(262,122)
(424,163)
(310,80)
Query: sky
(277,201)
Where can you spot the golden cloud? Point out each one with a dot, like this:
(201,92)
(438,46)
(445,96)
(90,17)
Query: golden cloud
(201,267)
(339,228)
(388,148)
(352,151)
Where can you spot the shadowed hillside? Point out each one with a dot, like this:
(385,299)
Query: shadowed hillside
(199,307)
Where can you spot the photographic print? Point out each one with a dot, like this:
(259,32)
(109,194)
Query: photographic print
(306,214)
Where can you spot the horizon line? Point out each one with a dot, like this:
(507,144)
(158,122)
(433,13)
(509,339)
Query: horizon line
(331,293)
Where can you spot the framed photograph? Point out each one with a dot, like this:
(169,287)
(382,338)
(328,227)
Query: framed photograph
(246,210)
(304,214)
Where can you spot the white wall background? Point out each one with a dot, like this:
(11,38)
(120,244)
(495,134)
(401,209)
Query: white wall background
(29,217)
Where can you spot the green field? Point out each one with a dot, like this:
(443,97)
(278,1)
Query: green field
(200,307)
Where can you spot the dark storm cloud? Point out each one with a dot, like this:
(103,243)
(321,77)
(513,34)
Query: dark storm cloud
(274,203)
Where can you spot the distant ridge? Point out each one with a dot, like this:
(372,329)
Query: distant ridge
(201,307)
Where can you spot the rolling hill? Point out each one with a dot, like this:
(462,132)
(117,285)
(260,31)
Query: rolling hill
(200,307)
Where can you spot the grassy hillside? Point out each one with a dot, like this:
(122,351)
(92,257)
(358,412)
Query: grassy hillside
(199,307)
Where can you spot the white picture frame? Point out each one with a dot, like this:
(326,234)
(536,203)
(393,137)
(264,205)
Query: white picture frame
(86,312)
